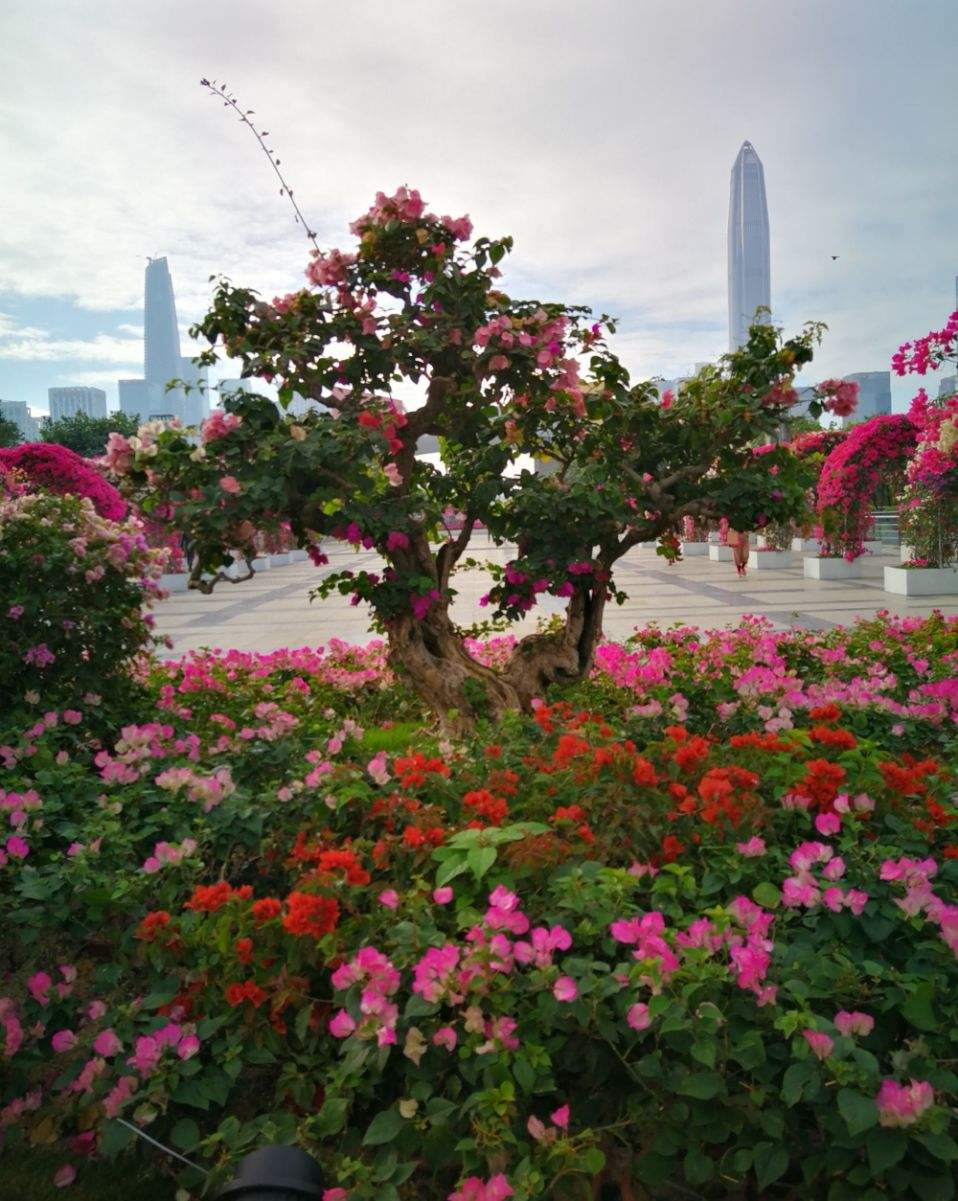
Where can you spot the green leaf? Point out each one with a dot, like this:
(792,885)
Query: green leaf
(113,1139)
(885,1149)
(770,1161)
(704,1051)
(185,1134)
(301,1024)
(795,1080)
(453,867)
(592,1161)
(917,1009)
(942,1146)
(189,1092)
(524,1073)
(766,895)
(698,1167)
(860,1113)
(480,859)
(701,1085)
(332,1117)
(383,1128)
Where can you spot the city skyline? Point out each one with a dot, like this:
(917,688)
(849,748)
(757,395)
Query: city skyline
(614,184)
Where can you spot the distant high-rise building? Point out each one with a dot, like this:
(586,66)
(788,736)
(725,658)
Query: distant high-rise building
(874,395)
(18,411)
(67,402)
(134,398)
(948,387)
(162,361)
(749,257)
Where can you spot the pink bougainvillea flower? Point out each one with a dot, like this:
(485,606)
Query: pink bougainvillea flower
(107,1044)
(854,1022)
(751,849)
(230,484)
(442,896)
(389,898)
(638,1016)
(820,1044)
(560,1117)
(64,1176)
(903,1104)
(341,1025)
(565,989)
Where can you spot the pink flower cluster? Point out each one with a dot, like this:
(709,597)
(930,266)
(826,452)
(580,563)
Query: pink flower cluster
(903,1104)
(406,205)
(919,899)
(378,1015)
(803,890)
(840,396)
(927,353)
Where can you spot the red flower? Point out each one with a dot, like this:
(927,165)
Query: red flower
(412,770)
(249,990)
(643,773)
(265,909)
(821,782)
(207,898)
(308,915)
(841,739)
(494,809)
(244,949)
(151,927)
(671,848)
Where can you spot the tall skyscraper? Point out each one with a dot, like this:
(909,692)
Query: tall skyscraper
(162,360)
(67,402)
(749,265)
(874,395)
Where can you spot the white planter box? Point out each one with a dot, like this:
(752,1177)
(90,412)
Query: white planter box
(261,563)
(648,545)
(713,537)
(905,552)
(922,581)
(874,547)
(831,569)
(720,554)
(280,560)
(298,556)
(807,546)
(695,548)
(772,560)
(175,582)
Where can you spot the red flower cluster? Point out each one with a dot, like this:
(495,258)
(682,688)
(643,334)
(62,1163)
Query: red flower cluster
(207,898)
(416,839)
(412,770)
(493,809)
(821,782)
(839,739)
(310,916)
(249,990)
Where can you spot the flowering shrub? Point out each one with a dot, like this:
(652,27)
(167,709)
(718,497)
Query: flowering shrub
(73,586)
(853,471)
(416,298)
(59,469)
(690,929)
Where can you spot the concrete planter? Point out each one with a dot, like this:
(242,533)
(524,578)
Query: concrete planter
(178,581)
(261,563)
(922,581)
(713,537)
(280,560)
(874,547)
(695,548)
(817,568)
(806,546)
(298,556)
(772,560)
(720,554)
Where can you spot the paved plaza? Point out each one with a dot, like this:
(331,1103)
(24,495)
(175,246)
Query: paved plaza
(273,609)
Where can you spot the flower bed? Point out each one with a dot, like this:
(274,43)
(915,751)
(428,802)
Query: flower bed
(690,928)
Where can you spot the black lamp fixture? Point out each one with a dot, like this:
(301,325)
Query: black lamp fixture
(275,1174)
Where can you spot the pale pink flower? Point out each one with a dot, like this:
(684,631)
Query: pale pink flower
(188,1047)
(751,849)
(854,1022)
(230,484)
(64,1175)
(820,1044)
(446,1037)
(828,823)
(903,1104)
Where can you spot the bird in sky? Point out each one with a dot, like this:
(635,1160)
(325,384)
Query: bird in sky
(834,257)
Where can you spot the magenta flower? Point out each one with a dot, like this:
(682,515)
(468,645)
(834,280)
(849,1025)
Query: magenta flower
(903,1104)
(107,1044)
(341,1025)
(565,989)
(389,898)
(560,1117)
(63,1040)
(442,896)
(638,1016)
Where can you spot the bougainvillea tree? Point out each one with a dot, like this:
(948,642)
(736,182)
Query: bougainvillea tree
(500,378)
(929,501)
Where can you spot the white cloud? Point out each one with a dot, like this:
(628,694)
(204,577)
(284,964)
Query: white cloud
(600,135)
(36,346)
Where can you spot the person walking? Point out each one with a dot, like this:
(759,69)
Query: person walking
(738,541)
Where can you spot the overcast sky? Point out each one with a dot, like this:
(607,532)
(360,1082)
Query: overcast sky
(600,133)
